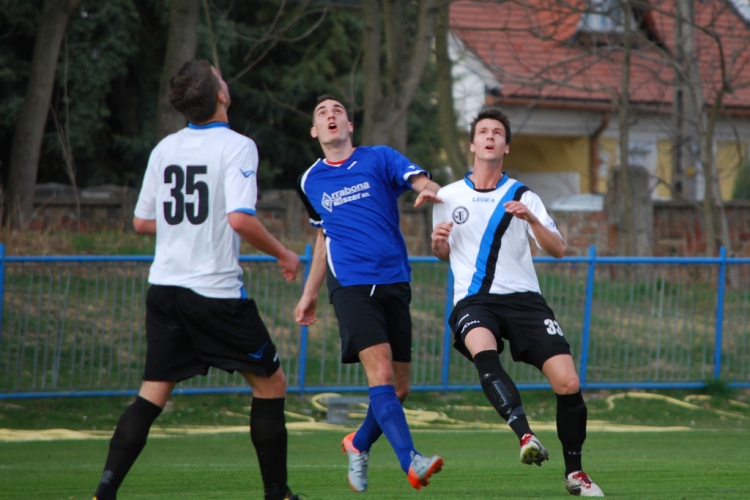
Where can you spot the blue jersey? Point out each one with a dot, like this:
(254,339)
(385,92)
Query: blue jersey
(355,203)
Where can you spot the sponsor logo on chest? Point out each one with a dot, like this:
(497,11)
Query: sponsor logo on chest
(345,195)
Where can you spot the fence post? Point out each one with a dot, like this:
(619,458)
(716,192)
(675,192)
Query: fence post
(303,329)
(448,335)
(586,332)
(720,312)
(2,290)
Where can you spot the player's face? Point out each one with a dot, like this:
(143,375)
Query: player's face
(489,140)
(331,123)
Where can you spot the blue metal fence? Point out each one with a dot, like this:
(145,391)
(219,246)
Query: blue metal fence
(73,325)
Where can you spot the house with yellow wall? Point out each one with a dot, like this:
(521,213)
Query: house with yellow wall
(556,68)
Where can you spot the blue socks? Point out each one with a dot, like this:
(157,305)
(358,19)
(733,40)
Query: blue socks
(389,415)
(368,432)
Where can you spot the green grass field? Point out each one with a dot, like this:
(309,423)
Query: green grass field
(674,445)
(478,464)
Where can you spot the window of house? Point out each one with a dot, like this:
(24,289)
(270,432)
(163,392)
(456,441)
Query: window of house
(602,16)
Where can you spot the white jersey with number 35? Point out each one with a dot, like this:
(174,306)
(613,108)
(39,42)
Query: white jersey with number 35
(194,178)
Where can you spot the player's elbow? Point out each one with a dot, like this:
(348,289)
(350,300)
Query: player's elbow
(144,226)
(558,251)
(238,220)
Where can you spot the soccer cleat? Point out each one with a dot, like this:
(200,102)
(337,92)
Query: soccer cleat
(291,496)
(358,461)
(580,484)
(422,468)
(532,451)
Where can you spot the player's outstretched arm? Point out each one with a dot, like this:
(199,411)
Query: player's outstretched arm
(440,247)
(305,312)
(426,188)
(254,232)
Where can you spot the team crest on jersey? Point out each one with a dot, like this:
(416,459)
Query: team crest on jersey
(460,215)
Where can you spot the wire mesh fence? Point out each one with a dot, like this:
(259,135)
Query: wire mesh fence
(74,326)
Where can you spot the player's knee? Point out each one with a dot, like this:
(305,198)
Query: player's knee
(273,386)
(379,372)
(403,391)
(570,384)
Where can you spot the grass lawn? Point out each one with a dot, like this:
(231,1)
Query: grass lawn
(478,464)
(640,445)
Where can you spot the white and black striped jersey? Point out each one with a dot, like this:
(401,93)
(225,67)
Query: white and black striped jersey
(489,248)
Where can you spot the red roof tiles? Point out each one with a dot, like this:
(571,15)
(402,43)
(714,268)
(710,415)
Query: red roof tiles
(536,50)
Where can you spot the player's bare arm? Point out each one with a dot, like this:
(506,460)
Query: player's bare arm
(305,311)
(254,232)
(144,226)
(426,188)
(440,247)
(549,241)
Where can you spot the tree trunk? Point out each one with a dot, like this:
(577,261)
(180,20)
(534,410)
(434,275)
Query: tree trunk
(184,16)
(713,205)
(446,110)
(387,103)
(371,71)
(27,139)
(626,239)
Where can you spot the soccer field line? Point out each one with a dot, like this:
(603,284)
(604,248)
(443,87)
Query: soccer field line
(420,421)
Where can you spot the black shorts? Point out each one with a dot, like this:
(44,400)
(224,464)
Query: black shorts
(369,315)
(523,319)
(186,333)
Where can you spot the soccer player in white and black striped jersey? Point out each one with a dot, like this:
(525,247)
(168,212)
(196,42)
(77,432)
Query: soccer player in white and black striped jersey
(198,196)
(483,228)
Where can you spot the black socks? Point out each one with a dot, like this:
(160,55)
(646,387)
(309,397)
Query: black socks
(126,444)
(269,436)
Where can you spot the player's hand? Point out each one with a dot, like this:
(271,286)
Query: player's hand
(440,246)
(304,313)
(426,195)
(441,232)
(518,209)
(289,263)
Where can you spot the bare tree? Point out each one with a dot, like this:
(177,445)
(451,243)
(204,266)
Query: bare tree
(454,153)
(27,139)
(389,89)
(654,48)
(702,87)
(184,16)
(263,39)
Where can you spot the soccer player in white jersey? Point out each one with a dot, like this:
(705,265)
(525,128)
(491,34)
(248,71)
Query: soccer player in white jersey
(198,196)
(351,196)
(483,228)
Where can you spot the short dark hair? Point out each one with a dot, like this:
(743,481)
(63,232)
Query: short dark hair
(192,91)
(329,97)
(494,113)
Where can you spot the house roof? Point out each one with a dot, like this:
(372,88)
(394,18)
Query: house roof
(538,52)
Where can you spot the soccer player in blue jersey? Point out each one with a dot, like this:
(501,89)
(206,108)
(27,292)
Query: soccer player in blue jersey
(351,196)
(483,227)
(198,196)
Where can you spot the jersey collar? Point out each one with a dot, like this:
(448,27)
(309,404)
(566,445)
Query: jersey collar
(208,125)
(470,183)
